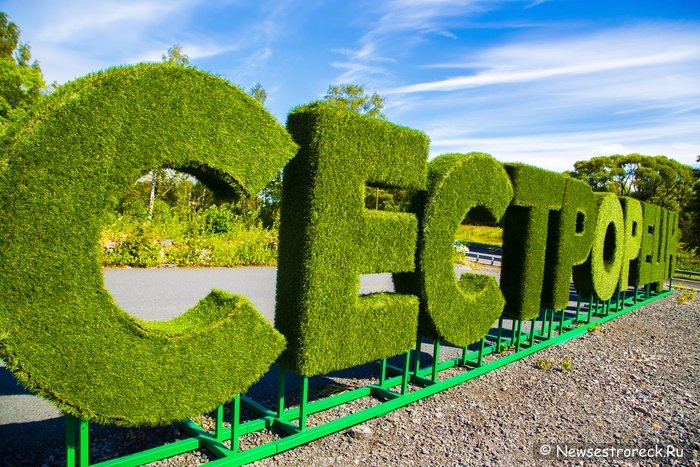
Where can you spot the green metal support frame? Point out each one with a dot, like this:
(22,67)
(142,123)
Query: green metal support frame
(396,387)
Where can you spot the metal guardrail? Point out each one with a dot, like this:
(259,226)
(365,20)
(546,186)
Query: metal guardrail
(682,272)
(484,256)
(464,249)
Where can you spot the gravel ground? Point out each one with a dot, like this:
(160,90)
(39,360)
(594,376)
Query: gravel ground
(633,383)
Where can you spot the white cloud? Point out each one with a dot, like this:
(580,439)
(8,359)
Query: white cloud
(611,50)
(78,20)
(559,150)
(552,102)
(401,24)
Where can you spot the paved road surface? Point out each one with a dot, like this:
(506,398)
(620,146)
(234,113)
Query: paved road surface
(152,294)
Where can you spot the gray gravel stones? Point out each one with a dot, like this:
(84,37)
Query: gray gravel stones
(632,383)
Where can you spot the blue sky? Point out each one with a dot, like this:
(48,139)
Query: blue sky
(546,82)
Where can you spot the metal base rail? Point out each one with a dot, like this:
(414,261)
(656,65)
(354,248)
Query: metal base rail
(397,386)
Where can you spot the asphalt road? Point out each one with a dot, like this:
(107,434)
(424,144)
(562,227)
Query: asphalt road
(151,294)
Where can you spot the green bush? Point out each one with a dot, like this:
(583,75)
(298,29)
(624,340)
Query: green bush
(460,312)
(600,274)
(537,192)
(219,220)
(634,219)
(140,251)
(569,241)
(328,239)
(86,143)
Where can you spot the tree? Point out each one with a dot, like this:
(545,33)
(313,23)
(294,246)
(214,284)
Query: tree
(655,179)
(21,82)
(259,93)
(692,237)
(354,97)
(175,55)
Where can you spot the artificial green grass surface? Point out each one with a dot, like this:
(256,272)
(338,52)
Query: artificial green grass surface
(641,269)
(67,163)
(634,218)
(569,241)
(600,274)
(537,192)
(328,239)
(458,311)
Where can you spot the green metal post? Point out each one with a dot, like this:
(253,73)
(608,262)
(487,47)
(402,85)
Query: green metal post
(281,373)
(382,373)
(219,427)
(533,325)
(302,402)
(436,359)
(517,324)
(578,308)
(561,320)
(235,422)
(636,294)
(406,372)
(590,309)
(550,322)
(417,355)
(84,443)
(500,334)
(70,440)
(481,351)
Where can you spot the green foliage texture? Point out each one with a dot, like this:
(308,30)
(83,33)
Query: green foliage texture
(599,275)
(328,239)
(634,218)
(21,83)
(458,311)
(68,164)
(641,269)
(569,241)
(537,192)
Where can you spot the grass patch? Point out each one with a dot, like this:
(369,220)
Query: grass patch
(480,234)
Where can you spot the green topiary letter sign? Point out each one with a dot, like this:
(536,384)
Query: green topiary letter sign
(537,192)
(328,239)
(68,162)
(461,311)
(600,274)
(569,241)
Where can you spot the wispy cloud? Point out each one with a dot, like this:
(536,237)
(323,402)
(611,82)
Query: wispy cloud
(400,24)
(559,150)
(552,102)
(85,19)
(612,50)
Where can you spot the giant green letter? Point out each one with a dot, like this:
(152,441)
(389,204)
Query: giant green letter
(461,311)
(328,239)
(60,331)
(569,241)
(632,210)
(600,274)
(537,192)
